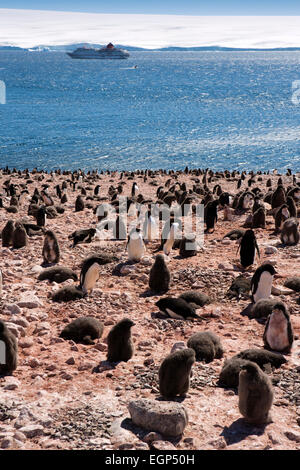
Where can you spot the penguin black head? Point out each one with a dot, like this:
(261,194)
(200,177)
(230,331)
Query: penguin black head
(268,267)
(2,326)
(125,324)
(250,367)
(281,308)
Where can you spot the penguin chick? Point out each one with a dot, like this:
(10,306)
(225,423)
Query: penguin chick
(135,245)
(240,286)
(263,308)
(195,297)
(8,350)
(175,372)
(229,375)
(262,357)
(293,283)
(19,236)
(82,236)
(176,308)
(159,276)
(120,346)
(79,204)
(83,330)
(261,282)
(57,274)
(248,248)
(278,334)
(66,294)
(255,394)
(51,252)
(90,273)
(235,234)
(7,233)
(207,346)
(188,246)
(259,218)
(290,232)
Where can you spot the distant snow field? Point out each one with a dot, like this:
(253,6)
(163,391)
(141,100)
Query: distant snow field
(29,28)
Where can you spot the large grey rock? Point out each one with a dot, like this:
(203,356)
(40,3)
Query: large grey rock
(29,300)
(167,418)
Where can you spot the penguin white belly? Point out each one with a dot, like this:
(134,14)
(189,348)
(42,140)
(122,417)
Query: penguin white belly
(264,287)
(292,238)
(168,246)
(151,229)
(91,277)
(135,249)
(277,334)
(51,250)
(173,314)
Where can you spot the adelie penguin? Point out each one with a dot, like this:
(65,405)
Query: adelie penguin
(150,230)
(8,350)
(169,242)
(207,346)
(19,236)
(119,344)
(159,276)
(255,394)
(82,236)
(90,273)
(51,252)
(211,215)
(248,248)
(278,334)
(176,308)
(41,216)
(134,189)
(57,274)
(79,204)
(175,372)
(135,245)
(7,233)
(261,282)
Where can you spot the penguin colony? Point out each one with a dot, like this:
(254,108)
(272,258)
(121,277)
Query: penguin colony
(258,204)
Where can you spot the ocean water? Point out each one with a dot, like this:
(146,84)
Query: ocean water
(202,109)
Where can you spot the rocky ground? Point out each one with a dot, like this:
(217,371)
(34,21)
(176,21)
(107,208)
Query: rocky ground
(66,396)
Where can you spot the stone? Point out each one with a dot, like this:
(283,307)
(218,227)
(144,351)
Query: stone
(178,345)
(13,309)
(167,418)
(162,445)
(26,343)
(70,361)
(29,300)
(218,443)
(293,436)
(270,250)
(32,430)
(152,436)
(11,383)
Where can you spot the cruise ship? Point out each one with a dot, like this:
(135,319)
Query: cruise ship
(108,52)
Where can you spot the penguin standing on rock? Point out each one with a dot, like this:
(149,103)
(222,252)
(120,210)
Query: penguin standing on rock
(135,245)
(8,350)
(159,277)
(175,372)
(90,273)
(261,282)
(278,334)
(176,308)
(51,252)
(255,394)
(248,248)
(120,346)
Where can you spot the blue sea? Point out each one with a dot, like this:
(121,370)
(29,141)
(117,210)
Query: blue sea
(202,109)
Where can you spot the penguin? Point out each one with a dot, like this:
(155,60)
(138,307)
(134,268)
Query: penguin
(211,215)
(149,227)
(278,197)
(255,394)
(262,357)
(83,330)
(1,283)
(48,201)
(259,218)
(261,282)
(175,372)
(207,346)
(8,350)
(290,232)
(281,215)
(119,344)
(135,245)
(134,189)
(159,276)
(19,236)
(188,246)
(82,236)
(7,233)
(278,334)
(291,206)
(195,298)
(262,308)
(240,286)
(64,198)
(169,242)
(246,201)
(51,252)
(41,216)
(248,249)
(90,273)
(67,294)
(57,274)
(176,308)
(235,234)
(229,375)
(79,204)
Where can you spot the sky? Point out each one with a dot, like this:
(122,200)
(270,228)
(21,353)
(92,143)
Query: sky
(163,7)
(29,28)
